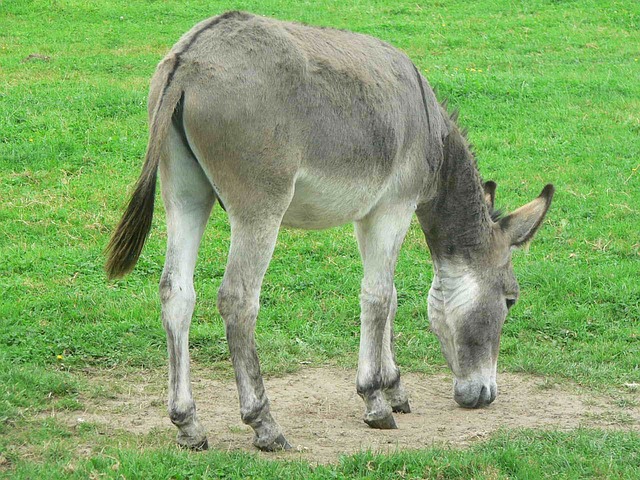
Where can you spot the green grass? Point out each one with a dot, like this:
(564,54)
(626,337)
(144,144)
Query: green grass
(550,91)
(526,454)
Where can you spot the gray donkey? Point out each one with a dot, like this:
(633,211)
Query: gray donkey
(286,124)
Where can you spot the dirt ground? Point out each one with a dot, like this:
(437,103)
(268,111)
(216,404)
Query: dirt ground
(321,413)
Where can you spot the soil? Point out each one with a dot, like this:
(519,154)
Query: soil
(321,415)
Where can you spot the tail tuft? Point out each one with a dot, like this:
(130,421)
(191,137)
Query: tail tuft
(127,241)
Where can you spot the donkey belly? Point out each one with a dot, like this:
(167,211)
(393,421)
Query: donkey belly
(328,202)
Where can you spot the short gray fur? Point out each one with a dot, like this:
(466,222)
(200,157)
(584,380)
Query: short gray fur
(287,124)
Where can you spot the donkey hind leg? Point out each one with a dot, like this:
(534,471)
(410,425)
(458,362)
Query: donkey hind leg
(393,389)
(188,198)
(252,244)
(380,235)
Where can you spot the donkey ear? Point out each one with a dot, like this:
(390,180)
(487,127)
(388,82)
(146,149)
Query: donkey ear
(521,225)
(490,193)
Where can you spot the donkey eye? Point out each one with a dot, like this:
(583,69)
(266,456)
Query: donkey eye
(510,302)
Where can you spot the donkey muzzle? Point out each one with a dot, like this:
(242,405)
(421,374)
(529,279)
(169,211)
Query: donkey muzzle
(474,393)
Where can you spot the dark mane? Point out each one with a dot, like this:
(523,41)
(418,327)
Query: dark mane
(453,115)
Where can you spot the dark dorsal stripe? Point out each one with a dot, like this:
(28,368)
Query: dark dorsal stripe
(424,98)
(192,40)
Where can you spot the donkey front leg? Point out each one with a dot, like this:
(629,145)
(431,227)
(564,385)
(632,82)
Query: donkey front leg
(238,303)
(393,389)
(380,236)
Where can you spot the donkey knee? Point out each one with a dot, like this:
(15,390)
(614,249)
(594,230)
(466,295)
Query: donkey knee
(178,301)
(376,302)
(172,291)
(235,303)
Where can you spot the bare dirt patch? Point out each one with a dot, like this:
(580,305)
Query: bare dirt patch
(321,413)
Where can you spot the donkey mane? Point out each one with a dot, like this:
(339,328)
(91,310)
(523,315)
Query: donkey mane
(454,115)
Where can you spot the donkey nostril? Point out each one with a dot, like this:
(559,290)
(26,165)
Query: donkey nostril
(484,396)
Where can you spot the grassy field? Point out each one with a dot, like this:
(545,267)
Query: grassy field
(550,92)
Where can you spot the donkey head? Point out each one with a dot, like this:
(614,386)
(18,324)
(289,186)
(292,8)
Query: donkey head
(472,292)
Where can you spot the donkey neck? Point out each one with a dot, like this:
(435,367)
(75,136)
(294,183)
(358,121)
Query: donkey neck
(456,222)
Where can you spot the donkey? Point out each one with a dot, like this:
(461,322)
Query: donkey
(286,124)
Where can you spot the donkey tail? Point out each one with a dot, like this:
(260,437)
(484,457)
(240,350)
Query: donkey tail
(127,241)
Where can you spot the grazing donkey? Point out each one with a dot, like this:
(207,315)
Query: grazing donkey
(286,124)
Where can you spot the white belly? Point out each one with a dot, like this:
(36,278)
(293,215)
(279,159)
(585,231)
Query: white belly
(322,203)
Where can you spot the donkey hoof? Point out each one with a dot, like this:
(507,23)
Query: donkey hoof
(385,423)
(194,446)
(277,445)
(402,407)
